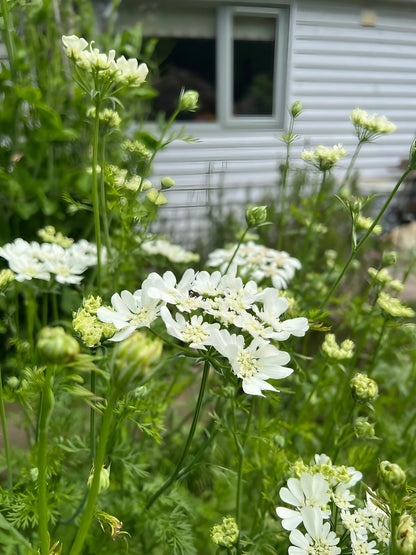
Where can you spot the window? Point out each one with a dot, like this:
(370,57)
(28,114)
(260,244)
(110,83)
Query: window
(234,56)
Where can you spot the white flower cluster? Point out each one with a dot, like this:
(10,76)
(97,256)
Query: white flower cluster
(174,253)
(368,126)
(43,260)
(264,265)
(323,157)
(124,72)
(214,310)
(320,487)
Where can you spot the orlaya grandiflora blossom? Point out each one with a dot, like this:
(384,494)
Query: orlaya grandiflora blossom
(45,261)
(308,491)
(318,539)
(259,263)
(121,72)
(213,310)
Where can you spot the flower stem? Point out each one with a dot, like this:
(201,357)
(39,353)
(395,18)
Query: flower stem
(283,192)
(88,513)
(46,407)
(236,250)
(364,238)
(6,437)
(94,192)
(352,163)
(175,474)
(10,46)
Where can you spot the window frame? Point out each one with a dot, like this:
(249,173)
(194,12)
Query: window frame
(225,65)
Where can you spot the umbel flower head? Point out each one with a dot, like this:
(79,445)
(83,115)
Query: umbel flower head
(226,533)
(213,310)
(363,388)
(54,345)
(324,158)
(368,127)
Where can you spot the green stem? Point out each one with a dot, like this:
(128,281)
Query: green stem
(103,199)
(92,417)
(46,407)
(173,477)
(89,510)
(352,163)
(94,192)
(364,238)
(6,437)
(10,46)
(236,250)
(284,184)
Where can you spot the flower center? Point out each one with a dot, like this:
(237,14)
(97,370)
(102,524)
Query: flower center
(320,547)
(193,334)
(247,364)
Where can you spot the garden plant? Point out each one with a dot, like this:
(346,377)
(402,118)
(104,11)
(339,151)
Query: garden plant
(154,400)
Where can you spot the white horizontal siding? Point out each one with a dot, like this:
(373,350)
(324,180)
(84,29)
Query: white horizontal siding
(336,65)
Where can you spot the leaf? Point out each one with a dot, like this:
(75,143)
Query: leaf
(17,536)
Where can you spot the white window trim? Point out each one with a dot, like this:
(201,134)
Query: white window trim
(224,62)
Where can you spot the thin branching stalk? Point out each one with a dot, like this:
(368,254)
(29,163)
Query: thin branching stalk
(283,191)
(94,192)
(103,199)
(5,437)
(351,165)
(364,238)
(236,250)
(46,407)
(173,477)
(89,510)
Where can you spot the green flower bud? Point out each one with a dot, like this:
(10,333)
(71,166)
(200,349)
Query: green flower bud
(392,475)
(6,277)
(167,182)
(363,388)
(412,155)
(104,479)
(188,101)
(133,358)
(406,535)
(363,429)
(226,533)
(296,109)
(256,215)
(56,346)
(13,382)
(389,258)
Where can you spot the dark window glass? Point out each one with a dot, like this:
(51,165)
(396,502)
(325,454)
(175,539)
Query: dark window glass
(253,65)
(187,63)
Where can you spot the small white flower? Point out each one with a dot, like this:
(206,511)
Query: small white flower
(308,491)
(273,306)
(195,331)
(319,538)
(362,547)
(130,312)
(254,364)
(129,72)
(167,289)
(342,496)
(74,46)
(356,523)
(27,268)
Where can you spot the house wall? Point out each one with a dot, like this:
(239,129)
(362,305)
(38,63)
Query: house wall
(335,64)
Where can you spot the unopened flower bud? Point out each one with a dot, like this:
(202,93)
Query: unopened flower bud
(363,388)
(6,277)
(406,535)
(363,429)
(13,382)
(104,479)
(412,155)
(296,108)
(167,182)
(389,258)
(226,533)
(133,359)
(256,215)
(188,101)
(56,346)
(392,475)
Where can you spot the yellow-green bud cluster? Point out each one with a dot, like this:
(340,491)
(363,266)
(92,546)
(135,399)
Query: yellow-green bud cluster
(167,182)
(364,223)
(104,479)
(138,148)
(406,535)
(363,388)
(392,475)
(6,277)
(368,126)
(188,101)
(393,307)
(324,158)
(108,118)
(133,358)
(256,215)
(156,197)
(50,235)
(55,346)
(226,533)
(384,278)
(335,351)
(85,322)
(363,429)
